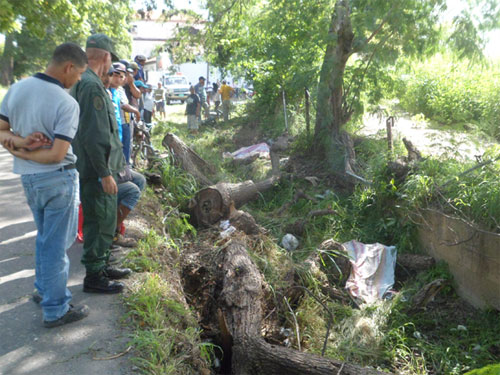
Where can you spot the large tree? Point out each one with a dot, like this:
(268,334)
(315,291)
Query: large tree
(339,46)
(34,28)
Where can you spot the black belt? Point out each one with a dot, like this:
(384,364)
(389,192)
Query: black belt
(69,166)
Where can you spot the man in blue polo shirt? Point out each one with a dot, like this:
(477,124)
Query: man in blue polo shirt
(48,174)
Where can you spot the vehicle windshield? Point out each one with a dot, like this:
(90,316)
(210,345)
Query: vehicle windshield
(175,81)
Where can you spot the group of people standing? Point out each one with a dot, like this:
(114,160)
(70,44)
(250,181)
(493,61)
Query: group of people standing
(71,147)
(198,99)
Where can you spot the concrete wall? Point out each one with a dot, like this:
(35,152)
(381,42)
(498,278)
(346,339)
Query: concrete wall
(473,256)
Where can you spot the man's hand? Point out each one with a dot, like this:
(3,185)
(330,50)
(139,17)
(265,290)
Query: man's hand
(36,140)
(130,78)
(137,115)
(9,146)
(109,185)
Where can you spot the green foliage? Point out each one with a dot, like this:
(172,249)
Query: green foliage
(166,336)
(145,257)
(36,28)
(488,370)
(180,186)
(453,93)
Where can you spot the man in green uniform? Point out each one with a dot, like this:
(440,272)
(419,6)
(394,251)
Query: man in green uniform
(100,159)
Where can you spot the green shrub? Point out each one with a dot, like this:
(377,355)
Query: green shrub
(453,93)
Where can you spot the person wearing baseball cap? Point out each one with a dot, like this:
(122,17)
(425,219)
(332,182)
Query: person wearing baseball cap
(141,61)
(100,160)
(102,41)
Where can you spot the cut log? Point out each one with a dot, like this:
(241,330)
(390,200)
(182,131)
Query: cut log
(213,203)
(240,302)
(188,159)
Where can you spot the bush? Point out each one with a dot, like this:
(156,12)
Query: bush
(453,93)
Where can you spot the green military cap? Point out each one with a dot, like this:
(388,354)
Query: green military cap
(102,41)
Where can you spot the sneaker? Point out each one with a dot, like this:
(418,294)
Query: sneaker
(115,273)
(123,241)
(74,314)
(98,283)
(36,297)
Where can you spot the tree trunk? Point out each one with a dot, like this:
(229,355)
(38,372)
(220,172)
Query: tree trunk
(214,203)
(189,160)
(240,300)
(331,113)
(308,114)
(7,61)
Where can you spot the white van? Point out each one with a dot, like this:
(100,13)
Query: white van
(176,87)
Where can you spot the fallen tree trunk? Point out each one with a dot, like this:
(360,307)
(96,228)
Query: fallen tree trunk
(214,203)
(240,302)
(188,159)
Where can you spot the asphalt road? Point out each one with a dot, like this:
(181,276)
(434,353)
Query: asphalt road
(26,347)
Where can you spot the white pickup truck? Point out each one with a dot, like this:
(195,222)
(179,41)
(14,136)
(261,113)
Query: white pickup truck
(176,87)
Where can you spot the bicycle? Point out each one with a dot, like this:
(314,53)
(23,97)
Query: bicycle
(143,152)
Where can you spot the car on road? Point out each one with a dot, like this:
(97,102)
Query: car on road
(176,87)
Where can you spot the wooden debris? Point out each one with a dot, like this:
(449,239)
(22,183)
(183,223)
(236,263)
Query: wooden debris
(244,222)
(214,203)
(188,159)
(426,294)
(413,153)
(240,301)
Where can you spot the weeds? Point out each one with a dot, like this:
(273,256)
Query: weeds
(166,337)
(386,335)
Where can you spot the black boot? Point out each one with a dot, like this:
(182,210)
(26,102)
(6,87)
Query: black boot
(99,283)
(115,273)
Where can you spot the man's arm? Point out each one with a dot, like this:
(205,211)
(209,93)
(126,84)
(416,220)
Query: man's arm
(52,155)
(128,108)
(31,142)
(136,93)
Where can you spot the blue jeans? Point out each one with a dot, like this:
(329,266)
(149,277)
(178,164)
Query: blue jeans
(53,198)
(129,192)
(126,141)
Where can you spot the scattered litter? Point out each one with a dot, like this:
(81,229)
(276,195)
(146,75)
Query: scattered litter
(417,335)
(227,228)
(227,232)
(289,242)
(461,328)
(476,348)
(372,273)
(224,224)
(326,194)
(285,331)
(261,149)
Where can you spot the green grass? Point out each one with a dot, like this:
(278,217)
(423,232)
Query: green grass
(385,335)
(166,337)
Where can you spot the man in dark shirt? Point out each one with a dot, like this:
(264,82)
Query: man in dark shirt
(193,110)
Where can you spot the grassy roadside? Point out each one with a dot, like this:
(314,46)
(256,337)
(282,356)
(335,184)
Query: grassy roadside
(448,338)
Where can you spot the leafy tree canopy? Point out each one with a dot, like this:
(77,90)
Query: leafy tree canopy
(33,28)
